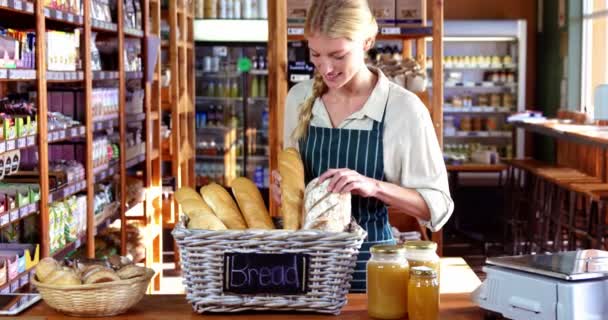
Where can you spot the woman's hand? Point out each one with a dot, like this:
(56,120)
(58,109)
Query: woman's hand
(347,180)
(275,187)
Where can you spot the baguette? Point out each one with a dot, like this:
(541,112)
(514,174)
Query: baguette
(291,170)
(251,204)
(186,193)
(223,206)
(192,206)
(205,220)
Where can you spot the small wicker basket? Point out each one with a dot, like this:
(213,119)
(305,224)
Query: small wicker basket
(95,300)
(332,261)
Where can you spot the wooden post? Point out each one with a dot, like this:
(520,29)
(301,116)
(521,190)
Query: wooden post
(437,109)
(277,81)
(88,93)
(122,122)
(43,151)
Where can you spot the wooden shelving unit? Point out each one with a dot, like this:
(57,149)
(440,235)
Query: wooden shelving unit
(178,100)
(280,33)
(34,16)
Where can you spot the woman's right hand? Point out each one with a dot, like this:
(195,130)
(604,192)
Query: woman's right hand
(275,187)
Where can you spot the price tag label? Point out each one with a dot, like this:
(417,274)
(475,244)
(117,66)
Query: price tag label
(6,290)
(70,17)
(25,279)
(10,145)
(15,285)
(295,31)
(61,134)
(3,73)
(82,130)
(73,132)
(2,147)
(4,219)
(31,140)
(14,215)
(390,31)
(18,4)
(29,7)
(47,12)
(21,143)
(23,211)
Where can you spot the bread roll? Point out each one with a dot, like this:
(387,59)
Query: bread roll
(291,170)
(186,193)
(251,204)
(100,276)
(131,271)
(323,210)
(61,277)
(223,206)
(45,267)
(190,206)
(205,220)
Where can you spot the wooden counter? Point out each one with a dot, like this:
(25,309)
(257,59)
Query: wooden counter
(457,281)
(582,134)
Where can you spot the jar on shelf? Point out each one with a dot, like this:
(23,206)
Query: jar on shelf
(387,282)
(476,124)
(491,124)
(457,101)
(423,294)
(508,100)
(495,100)
(422,253)
(483,100)
(465,123)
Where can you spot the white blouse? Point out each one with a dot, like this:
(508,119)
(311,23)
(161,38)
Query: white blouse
(412,156)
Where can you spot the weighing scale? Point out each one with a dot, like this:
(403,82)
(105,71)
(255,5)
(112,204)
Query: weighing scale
(570,285)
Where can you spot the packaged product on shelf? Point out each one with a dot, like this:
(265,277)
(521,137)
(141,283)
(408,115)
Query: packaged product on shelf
(63,50)
(211,9)
(410,13)
(296,11)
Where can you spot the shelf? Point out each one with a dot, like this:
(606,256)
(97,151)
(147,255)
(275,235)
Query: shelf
(477,109)
(66,134)
(17,74)
(477,68)
(67,190)
(134,75)
(17,6)
(103,220)
(136,117)
(64,76)
(105,171)
(104,26)
(17,214)
(62,253)
(476,167)
(217,75)
(62,16)
(105,75)
(135,160)
(385,33)
(19,143)
(203,99)
(481,134)
(134,33)
(20,281)
(220,157)
(105,122)
(481,86)
(254,100)
(259,72)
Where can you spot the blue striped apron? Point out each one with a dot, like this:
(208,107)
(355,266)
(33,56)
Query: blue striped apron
(362,151)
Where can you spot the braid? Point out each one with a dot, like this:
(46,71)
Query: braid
(305,110)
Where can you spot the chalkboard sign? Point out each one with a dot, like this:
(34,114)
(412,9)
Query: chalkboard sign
(266,273)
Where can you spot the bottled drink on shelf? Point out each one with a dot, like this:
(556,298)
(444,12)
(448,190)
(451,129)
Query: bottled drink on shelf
(255,90)
(262,85)
(219,115)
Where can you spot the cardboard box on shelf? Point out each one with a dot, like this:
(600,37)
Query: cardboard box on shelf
(383,11)
(296,12)
(410,13)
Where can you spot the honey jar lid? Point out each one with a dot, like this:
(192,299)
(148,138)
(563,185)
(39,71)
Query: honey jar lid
(420,245)
(423,271)
(387,249)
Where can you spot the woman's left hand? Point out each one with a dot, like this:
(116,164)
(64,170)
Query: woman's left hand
(347,180)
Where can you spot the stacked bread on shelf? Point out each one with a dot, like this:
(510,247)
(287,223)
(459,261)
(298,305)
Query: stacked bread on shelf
(313,207)
(49,271)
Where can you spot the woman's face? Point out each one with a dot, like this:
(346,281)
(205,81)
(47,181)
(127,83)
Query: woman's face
(336,59)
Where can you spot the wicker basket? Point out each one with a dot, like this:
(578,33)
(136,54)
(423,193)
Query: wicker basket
(95,300)
(332,261)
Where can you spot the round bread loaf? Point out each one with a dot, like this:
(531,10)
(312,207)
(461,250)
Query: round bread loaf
(324,210)
(63,277)
(100,276)
(131,271)
(45,267)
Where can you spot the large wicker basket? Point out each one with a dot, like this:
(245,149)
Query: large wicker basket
(95,300)
(332,261)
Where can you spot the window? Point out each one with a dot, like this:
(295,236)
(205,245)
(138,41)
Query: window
(595,50)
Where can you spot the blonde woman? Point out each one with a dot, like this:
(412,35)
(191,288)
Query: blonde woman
(367,135)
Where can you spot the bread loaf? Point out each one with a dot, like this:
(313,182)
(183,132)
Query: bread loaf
(45,267)
(191,206)
(223,206)
(205,220)
(131,271)
(251,203)
(291,170)
(324,210)
(62,277)
(100,276)
(186,193)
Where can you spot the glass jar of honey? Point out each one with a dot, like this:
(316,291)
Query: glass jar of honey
(387,281)
(423,294)
(422,253)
